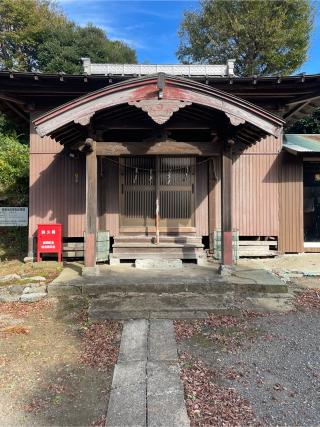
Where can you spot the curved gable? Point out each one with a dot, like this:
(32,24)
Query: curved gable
(152,93)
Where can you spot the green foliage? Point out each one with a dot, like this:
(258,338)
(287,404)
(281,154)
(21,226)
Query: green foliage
(22,22)
(14,171)
(265,37)
(35,35)
(63,46)
(310,124)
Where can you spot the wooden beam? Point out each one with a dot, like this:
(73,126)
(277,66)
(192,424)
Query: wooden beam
(119,125)
(226,205)
(91,207)
(166,147)
(17,111)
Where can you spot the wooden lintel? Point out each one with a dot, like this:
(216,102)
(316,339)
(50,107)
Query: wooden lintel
(158,148)
(181,125)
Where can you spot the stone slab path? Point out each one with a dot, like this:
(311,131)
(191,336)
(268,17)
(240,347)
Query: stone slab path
(146,386)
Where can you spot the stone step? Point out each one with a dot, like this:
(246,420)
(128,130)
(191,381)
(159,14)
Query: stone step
(180,306)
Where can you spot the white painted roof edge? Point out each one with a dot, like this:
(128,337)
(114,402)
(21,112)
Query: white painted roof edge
(149,69)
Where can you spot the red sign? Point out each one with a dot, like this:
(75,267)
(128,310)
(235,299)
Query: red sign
(49,240)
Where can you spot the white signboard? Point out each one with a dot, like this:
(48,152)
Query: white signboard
(13,217)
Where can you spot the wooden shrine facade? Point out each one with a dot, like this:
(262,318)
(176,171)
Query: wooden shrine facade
(160,131)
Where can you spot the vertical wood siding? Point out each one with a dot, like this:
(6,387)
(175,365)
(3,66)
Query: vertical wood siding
(255,192)
(255,195)
(57,187)
(291,204)
(108,191)
(201,216)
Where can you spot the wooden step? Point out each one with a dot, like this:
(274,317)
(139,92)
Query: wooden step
(160,245)
(166,255)
(163,239)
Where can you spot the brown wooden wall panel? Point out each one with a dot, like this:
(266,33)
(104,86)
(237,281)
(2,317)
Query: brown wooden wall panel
(291,204)
(201,216)
(255,195)
(57,192)
(42,145)
(270,144)
(108,193)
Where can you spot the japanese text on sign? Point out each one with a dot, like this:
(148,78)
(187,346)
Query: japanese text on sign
(13,217)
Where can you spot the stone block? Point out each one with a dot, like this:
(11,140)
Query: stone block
(158,264)
(127,407)
(127,374)
(38,289)
(133,345)
(9,277)
(37,296)
(165,396)
(91,271)
(59,289)
(162,341)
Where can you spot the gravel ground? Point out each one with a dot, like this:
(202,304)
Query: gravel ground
(282,376)
(278,373)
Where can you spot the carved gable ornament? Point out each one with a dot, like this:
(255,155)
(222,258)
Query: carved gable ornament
(235,120)
(160,110)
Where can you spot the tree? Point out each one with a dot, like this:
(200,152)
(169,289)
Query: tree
(265,37)
(36,36)
(22,22)
(63,46)
(14,170)
(310,124)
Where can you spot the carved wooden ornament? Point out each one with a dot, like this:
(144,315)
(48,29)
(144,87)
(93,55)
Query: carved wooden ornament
(160,110)
(235,120)
(84,120)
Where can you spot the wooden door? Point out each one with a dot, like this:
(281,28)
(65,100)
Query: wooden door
(176,179)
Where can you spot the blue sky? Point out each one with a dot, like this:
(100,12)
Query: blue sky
(151,26)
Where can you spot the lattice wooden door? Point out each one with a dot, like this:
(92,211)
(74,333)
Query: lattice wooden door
(139,178)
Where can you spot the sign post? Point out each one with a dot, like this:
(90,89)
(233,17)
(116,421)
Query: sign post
(49,240)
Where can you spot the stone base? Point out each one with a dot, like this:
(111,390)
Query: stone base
(91,271)
(114,261)
(158,263)
(225,270)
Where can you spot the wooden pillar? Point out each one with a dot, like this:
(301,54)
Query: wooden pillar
(226,206)
(91,206)
(157,200)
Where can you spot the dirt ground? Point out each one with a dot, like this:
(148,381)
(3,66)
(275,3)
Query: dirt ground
(301,262)
(53,364)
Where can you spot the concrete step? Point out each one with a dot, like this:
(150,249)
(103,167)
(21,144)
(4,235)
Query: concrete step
(181,306)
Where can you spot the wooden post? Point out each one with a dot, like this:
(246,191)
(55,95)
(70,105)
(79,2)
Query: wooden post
(157,200)
(211,202)
(226,207)
(91,206)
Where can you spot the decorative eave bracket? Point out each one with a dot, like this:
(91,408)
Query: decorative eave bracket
(160,110)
